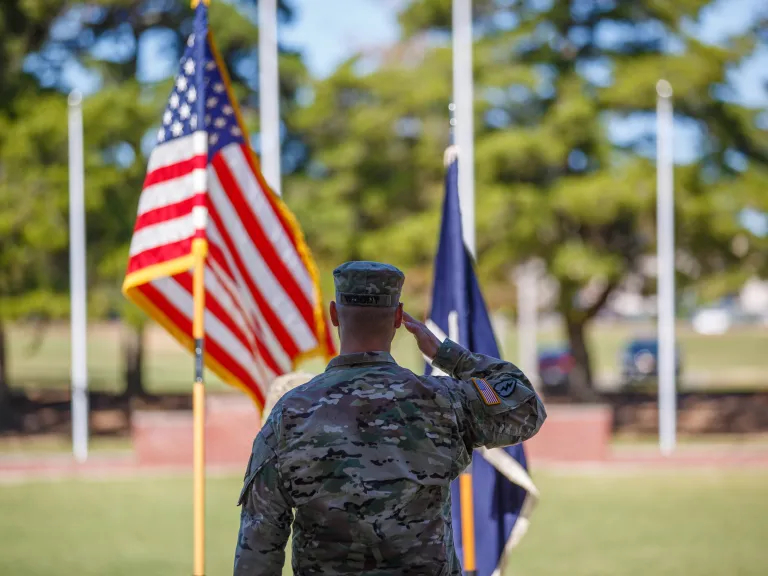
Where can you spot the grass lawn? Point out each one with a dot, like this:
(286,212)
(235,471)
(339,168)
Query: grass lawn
(45,445)
(686,523)
(734,360)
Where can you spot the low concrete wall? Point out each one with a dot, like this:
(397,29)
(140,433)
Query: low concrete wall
(571,434)
(697,413)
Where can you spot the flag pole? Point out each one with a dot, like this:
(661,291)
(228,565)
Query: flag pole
(464,129)
(665,257)
(526,278)
(77,273)
(464,99)
(199,251)
(269,95)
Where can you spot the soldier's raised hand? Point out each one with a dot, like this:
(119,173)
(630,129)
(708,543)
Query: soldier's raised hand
(428,343)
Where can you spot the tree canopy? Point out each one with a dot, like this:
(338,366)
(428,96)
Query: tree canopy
(554,182)
(564,107)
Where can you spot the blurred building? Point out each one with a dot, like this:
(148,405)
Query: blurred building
(753,298)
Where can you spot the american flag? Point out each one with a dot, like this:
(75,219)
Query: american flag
(263,308)
(489,395)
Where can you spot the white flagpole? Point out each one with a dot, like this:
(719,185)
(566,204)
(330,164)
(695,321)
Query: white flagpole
(269,94)
(78,319)
(526,277)
(465,133)
(665,256)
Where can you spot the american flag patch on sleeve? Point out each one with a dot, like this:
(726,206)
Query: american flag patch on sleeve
(488,394)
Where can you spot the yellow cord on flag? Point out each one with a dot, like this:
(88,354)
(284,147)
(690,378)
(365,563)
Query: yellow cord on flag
(199,252)
(467,522)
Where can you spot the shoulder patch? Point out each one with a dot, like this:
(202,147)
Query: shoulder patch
(488,394)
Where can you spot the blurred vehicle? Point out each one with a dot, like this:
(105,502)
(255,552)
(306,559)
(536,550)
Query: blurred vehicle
(640,361)
(555,366)
(712,321)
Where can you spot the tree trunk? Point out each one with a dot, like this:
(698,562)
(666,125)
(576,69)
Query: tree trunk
(133,358)
(4,386)
(581,385)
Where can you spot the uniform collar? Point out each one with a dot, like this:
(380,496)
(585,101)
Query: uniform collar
(361,358)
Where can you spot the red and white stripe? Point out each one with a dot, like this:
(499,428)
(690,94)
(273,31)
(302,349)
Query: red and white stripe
(260,308)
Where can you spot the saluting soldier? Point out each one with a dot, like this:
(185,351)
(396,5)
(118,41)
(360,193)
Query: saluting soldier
(365,452)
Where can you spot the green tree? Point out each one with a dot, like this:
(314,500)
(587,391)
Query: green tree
(551,79)
(40,45)
(22,29)
(33,240)
(374,184)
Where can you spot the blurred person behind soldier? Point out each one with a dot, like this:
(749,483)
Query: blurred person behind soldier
(281,385)
(365,452)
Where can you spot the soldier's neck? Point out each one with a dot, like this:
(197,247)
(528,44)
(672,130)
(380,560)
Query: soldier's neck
(361,347)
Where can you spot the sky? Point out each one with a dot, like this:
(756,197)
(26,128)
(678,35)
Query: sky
(327,32)
(330,31)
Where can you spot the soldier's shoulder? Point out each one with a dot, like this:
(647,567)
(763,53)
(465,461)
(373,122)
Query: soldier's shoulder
(307,391)
(440,386)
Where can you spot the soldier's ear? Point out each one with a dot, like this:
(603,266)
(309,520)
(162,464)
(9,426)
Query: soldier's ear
(334,313)
(399,315)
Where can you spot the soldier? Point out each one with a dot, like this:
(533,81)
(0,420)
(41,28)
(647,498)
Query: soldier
(365,452)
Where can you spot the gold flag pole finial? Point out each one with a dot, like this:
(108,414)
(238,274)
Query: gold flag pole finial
(196,2)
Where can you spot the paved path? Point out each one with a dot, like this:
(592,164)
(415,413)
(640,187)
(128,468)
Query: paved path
(22,468)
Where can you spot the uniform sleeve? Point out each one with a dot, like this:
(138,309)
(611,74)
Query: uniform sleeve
(495,402)
(265,517)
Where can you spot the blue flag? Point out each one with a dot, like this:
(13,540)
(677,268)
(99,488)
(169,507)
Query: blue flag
(459,312)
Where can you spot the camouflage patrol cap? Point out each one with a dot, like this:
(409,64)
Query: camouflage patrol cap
(362,283)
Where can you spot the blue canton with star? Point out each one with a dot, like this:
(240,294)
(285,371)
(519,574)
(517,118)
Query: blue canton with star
(199,100)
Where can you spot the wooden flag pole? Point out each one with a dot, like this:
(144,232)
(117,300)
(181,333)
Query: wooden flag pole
(199,251)
(467,523)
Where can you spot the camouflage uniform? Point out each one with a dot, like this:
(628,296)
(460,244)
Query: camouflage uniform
(365,454)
